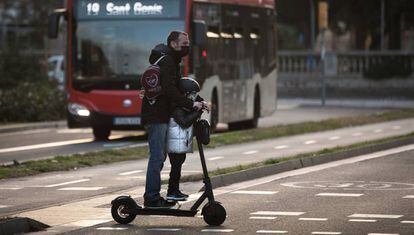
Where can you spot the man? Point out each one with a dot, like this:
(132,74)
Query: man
(155,116)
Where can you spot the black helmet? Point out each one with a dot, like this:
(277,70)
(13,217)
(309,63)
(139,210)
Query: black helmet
(187,85)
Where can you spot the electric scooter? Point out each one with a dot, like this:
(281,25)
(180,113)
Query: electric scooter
(124,209)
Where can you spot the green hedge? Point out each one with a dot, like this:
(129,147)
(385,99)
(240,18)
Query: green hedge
(31,102)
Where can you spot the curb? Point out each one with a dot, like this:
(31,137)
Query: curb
(263,171)
(31,126)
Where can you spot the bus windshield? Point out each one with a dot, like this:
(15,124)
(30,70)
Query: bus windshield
(113,39)
(117,50)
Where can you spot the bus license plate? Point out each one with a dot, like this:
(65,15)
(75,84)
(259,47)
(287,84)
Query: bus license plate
(127,121)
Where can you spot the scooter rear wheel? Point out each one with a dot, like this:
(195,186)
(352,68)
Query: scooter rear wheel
(117,211)
(214,213)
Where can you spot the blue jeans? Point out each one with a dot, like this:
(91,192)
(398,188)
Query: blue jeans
(157,141)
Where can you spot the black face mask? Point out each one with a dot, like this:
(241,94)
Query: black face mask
(185,50)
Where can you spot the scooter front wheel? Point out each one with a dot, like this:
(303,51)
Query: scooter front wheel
(118,213)
(214,213)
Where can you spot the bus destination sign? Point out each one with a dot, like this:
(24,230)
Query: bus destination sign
(103,9)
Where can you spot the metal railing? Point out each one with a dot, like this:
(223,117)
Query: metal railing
(350,64)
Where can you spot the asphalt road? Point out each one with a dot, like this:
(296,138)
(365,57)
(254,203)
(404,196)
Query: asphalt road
(50,142)
(370,194)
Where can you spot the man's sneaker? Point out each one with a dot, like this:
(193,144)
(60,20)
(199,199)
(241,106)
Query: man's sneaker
(177,196)
(159,204)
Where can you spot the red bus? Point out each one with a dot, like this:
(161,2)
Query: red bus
(109,41)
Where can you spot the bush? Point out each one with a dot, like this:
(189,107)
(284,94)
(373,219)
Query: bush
(29,102)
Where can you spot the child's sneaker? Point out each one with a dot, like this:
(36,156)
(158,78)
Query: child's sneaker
(177,196)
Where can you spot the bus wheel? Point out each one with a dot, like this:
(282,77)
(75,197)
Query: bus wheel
(101,133)
(214,111)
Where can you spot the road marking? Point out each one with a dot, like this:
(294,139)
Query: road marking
(111,228)
(383,234)
(47,145)
(409,197)
(217,230)
(334,138)
(357,134)
(255,192)
(88,222)
(288,213)
(66,183)
(4,206)
(327,233)
(164,229)
(396,127)
(363,220)
(130,172)
(407,222)
(215,158)
(250,152)
(378,216)
(339,194)
(81,189)
(190,171)
(262,217)
(272,231)
(378,130)
(310,142)
(313,219)
(10,188)
(281,147)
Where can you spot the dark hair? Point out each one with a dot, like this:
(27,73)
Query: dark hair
(174,36)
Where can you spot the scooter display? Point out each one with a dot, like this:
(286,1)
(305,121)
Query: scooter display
(124,209)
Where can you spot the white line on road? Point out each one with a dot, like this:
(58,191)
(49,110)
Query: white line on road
(378,216)
(10,188)
(217,230)
(378,130)
(339,194)
(310,142)
(327,233)
(281,147)
(88,222)
(409,197)
(334,138)
(357,134)
(288,213)
(272,231)
(66,183)
(130,172)
(81,189)
(407,222)
(4,206)
(47,145)
(255,192)
(111,228)
(313,219)
(250,152)
(396,127)
(263,217)
(215,158)
(363,220)
(164,229)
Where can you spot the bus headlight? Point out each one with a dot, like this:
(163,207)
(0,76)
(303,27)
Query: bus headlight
(78,110)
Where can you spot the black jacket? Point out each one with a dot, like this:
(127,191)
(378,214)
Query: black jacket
(185,118)
(170,74)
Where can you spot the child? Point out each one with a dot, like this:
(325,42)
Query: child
(180,136)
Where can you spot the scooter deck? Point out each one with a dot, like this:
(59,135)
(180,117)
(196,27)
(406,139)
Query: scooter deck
(163,211)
